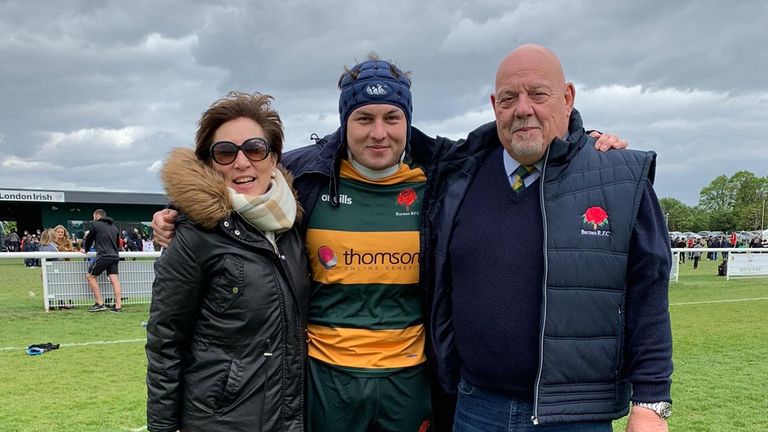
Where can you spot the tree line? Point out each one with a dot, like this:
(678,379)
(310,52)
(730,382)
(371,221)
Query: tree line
(736,203)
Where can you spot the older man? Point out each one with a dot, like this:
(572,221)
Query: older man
(551,266)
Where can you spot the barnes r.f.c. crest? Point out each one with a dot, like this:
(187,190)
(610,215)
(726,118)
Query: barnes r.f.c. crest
(595,219)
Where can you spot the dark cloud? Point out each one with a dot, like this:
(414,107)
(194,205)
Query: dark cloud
(95,93)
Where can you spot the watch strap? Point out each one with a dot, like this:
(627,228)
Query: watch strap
(662,409)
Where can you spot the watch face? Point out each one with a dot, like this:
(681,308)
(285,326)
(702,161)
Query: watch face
(666,410)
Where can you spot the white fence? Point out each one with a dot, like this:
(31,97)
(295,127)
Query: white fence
(747,264)
(742,262)
(64,284)
(674,273)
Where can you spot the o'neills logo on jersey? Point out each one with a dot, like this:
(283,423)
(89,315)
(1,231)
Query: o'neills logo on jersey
(406,198)
(343,199)
(595,219)
(327,257)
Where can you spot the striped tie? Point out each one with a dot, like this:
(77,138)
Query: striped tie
(523,171)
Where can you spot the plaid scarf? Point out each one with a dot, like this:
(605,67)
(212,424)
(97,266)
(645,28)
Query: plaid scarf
(272,212)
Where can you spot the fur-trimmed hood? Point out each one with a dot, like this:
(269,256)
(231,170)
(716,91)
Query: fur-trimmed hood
(198,190)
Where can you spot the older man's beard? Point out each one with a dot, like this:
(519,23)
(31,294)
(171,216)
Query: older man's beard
(526,144)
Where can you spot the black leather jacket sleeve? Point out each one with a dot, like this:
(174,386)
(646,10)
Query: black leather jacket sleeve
(176,296)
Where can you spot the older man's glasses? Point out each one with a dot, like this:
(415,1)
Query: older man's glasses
(225,152)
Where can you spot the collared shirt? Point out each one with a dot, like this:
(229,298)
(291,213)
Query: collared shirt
(510,165)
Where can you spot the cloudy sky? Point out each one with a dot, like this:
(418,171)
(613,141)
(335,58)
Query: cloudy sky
(93,94)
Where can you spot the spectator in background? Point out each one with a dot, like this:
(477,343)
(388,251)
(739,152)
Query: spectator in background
(30,245)
(130,245)
(146,244)
(47,241)
(722,268)
(121,241)
(24,238)
(103,235)
(690,244)
(12,241)
(697,255)
(680,243)
(62,240)
(723,243)
(133,241)
(48,244)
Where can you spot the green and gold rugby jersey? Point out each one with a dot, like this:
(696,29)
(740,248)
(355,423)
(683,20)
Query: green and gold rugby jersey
(365,312)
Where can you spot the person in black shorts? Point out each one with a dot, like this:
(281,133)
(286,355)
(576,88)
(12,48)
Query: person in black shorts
(104,237)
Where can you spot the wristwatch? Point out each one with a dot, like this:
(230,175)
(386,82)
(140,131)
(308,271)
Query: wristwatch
(662,409)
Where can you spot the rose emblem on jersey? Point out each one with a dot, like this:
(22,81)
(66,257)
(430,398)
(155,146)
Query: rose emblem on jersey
(406,198)
(327,257)
(595,216)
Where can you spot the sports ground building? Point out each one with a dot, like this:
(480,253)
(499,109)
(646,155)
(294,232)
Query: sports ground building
(36,209)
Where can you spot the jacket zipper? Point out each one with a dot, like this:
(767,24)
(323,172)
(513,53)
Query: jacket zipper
(274,245)
(281,262)
(281,296)
(535,417)
(284,316)
(281,258)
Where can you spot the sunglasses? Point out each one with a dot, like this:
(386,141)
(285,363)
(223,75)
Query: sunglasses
(225,152)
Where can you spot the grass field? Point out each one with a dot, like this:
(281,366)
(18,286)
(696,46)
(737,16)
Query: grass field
(95,381)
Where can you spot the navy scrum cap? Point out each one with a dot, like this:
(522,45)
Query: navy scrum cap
(372,82)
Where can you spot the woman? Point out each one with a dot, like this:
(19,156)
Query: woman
(62,240)
(226,332)
(47,243)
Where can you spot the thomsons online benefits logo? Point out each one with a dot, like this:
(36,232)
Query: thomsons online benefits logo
(352,258)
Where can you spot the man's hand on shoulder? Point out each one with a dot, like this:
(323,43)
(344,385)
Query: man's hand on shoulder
(162,226)
(645,420)
(606,141)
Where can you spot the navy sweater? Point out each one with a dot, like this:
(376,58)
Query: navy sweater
(497,259)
